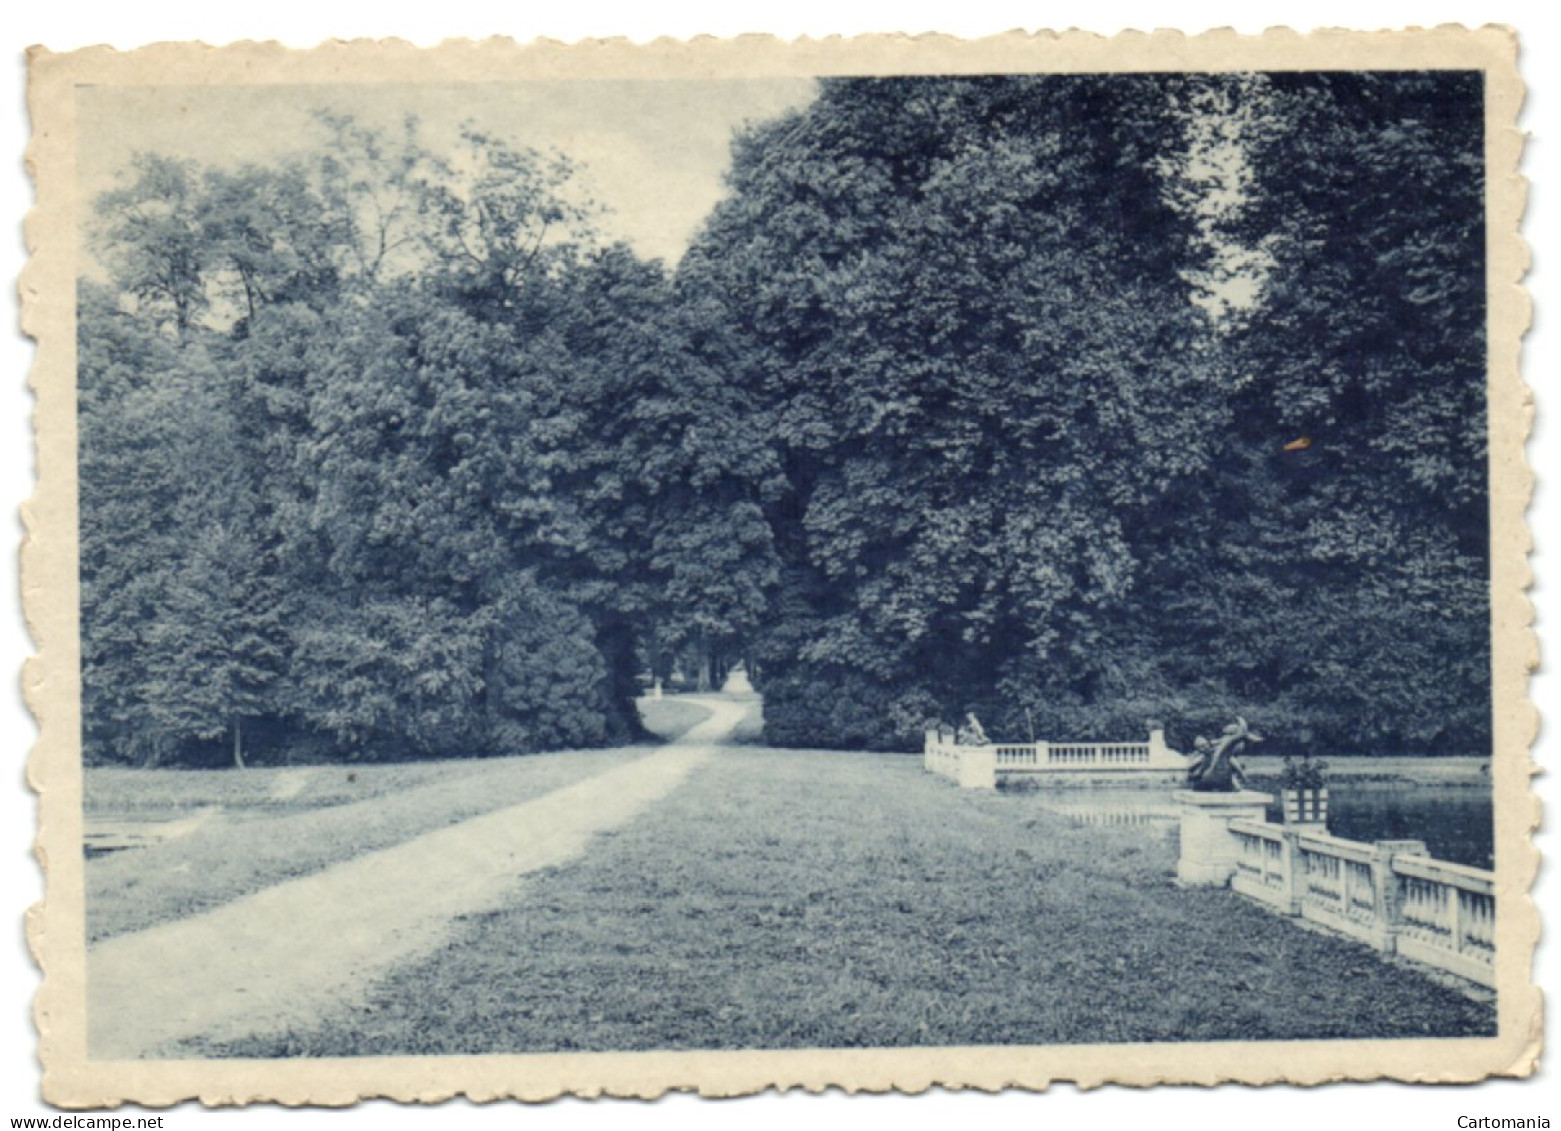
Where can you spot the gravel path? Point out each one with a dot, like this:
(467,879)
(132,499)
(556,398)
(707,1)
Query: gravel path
(293,953)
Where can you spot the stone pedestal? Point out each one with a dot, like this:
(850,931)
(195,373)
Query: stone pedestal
(978,767)
(1209,850)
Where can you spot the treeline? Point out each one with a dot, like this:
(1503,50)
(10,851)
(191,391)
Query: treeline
(1076,401)
(1103,400)
(383,455)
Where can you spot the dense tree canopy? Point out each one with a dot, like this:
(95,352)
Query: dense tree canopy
(967,328)
(1104,400)
(1074,400)
(1347,529)
(384,455)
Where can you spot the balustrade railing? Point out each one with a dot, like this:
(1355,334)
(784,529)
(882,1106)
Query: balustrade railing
(1447,915)
(1338,885)
(1263,864)
(943,755)
(1098,755)
(1017,757)
(1389,894)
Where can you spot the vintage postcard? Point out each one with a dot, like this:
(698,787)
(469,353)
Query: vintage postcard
(884,563)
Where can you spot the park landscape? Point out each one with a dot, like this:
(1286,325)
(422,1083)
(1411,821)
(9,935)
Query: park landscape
(511,624)
(773,899)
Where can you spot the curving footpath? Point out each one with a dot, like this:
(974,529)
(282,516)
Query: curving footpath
(296,952)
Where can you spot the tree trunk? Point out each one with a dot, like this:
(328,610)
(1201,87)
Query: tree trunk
(704,662)
(616,640)
(238,743)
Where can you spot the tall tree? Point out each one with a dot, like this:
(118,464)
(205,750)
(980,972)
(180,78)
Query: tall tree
(976,355)
(654,468)
(268,240)
(422,517)
(182,637)
(1360,421)
(151,236)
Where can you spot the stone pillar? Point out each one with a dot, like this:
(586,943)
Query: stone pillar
(1387,897)
(1290,863)
(1209,850)
(977,767)
(1161,756)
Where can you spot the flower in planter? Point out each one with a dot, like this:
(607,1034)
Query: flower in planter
(1305,784)
(1304,773)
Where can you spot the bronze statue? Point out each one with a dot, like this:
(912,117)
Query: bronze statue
(1214,768)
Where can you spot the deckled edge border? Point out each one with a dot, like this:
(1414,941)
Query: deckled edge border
(51,598)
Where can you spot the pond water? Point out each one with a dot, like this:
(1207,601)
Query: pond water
(1455,821)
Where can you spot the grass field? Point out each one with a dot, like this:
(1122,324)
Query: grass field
(262,826)
(254,841)
(785,899)
(668,718)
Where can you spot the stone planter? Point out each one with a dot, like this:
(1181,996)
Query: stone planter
(1306,806)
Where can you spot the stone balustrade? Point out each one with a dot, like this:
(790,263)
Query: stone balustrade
(940,757)
(981,766)
(1389,894)
(1447,916)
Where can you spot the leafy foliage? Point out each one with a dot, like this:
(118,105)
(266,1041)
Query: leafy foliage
(1034,353)
(966,326)
(1304,773)
(1073,400)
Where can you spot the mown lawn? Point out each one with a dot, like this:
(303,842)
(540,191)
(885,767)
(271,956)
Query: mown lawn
(670,717)
(786,899)
(268,825)
(244,849)
(166,794)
